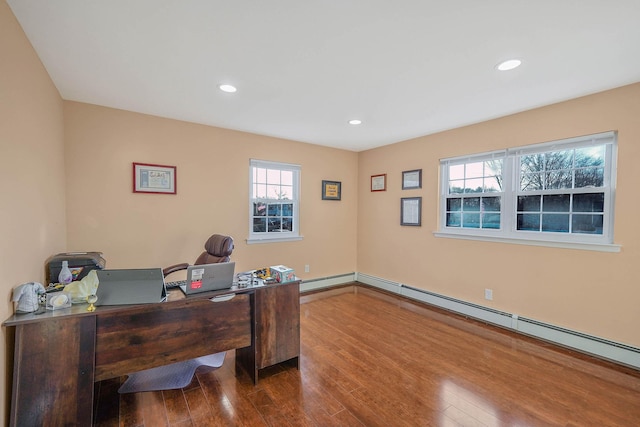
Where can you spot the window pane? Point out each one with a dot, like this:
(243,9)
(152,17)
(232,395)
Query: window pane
(592,202)
(453,220)
(531,182)
(558,179)
(287,209)
(273,192)
(474,170)
(259,225)
(456,172)
(287,224)
(471,204)
(556,160)
(274,224)
(556,203)
(590,156)
(529,222)
(590,177)
(491,220)
(454,204)
(491,204)
(273,176)
(456,187)
(286,192)
(274,210)
(261,175)
(492,184)
(555,222)
(260,191)
(471,220)
(493,167)
(259,209)
(473,185)
(528,203)
(531,163)
(587,224)
(287,178)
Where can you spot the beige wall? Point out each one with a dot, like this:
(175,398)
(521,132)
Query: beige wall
(592,292)
(68,186)
(157,230)
(32,191)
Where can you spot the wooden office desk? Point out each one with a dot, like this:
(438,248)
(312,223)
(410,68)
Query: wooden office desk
(59,355)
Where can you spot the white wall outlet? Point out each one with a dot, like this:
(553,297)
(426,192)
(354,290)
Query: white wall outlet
(488,294)
(306,268)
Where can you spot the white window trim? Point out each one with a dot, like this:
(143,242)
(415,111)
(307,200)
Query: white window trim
(507,232)
(259,238)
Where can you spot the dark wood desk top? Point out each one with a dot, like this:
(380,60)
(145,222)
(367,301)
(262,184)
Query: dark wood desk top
(81,309)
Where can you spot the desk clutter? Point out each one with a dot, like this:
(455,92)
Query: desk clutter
(261,324)
(266,276)
(78,275)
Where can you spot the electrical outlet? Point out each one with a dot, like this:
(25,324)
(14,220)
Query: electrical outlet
(488,294)
(306,268)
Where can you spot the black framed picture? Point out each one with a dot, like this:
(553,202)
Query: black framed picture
(411,211)
(331,190)
(412,179)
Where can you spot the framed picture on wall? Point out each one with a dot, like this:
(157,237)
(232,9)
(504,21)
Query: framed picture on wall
(149,178)
(379,182)
(411,211)
(412,179)
(331,190)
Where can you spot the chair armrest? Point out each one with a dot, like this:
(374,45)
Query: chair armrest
(174,268)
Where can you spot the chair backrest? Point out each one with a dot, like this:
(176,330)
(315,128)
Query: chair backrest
(217,249)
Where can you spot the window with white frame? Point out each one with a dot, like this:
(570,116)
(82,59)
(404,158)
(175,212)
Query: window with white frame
(560,191)
(273,201)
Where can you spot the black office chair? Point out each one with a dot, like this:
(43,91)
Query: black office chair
(217,249)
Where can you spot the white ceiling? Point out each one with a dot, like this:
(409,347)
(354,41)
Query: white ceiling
(304,68)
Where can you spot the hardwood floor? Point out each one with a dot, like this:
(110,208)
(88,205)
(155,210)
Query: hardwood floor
(372,359)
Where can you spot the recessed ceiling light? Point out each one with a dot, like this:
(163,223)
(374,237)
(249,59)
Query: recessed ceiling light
(355,122)
(227,88)
(509,64)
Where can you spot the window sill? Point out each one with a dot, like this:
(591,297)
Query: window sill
(599,247)
(256,241)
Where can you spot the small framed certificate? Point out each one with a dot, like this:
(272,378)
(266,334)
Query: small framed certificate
(412,179)
(331,190)
(148,178)
(411,211)
(379,182)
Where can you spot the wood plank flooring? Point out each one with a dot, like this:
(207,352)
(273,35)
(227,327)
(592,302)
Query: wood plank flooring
(373,359)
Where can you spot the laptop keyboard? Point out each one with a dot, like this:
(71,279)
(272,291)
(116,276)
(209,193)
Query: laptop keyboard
(176,284)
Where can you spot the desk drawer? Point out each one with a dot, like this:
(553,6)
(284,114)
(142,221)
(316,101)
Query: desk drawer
(158,334)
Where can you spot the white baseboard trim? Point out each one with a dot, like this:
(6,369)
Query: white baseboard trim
(606,349)
(327,282)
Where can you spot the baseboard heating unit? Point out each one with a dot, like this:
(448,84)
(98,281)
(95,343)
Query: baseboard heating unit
(616,352)
(325,282)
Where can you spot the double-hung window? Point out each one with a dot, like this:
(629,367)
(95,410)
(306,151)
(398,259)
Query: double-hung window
(560,193)
(274,201)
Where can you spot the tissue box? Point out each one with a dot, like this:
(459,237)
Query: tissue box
(282,274)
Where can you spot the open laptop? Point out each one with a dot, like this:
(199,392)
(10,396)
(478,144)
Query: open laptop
(130,286)
(208,277)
